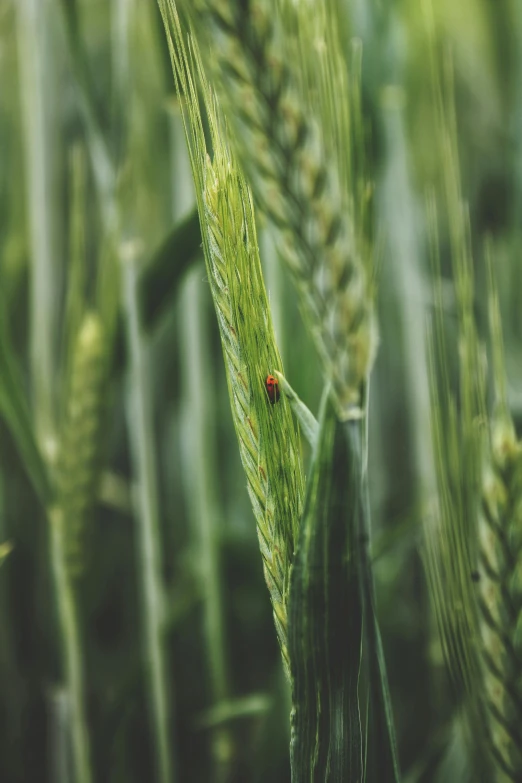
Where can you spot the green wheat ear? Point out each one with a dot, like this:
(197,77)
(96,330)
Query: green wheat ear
(499,596)
(474,552)
(499,572)
(294,158)
(79,447)
(268,441)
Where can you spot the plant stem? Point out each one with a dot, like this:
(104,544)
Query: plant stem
(200,448)
(101,160)
(58,702)
(36,67)
(71,649)
(384,747)
(406,281)
(517,114)
(140,428)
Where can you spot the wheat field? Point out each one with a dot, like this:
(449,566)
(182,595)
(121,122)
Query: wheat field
(260,391)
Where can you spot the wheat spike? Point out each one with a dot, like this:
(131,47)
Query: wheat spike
(296,181)
(499,593)
(267,444)
(268,441)
(78,461)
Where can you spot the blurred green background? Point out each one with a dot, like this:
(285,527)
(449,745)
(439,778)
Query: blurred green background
(94,181)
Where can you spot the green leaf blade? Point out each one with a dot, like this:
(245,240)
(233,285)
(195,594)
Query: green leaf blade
(160,279)
(342,723)
(14,409)
(326,619)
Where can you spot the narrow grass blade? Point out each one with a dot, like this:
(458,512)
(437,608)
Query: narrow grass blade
(234,709)
(161,277)
(72,649)
(58,706)
(148,528)
(381,754)
(304,416)
(102,163)
(338,674)
(39,64)
(159,281)
(326,618)
(6,547)
(200,459)
(14,409)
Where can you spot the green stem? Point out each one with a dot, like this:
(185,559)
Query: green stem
(140,427)
(102,163)
(517,114)
(201,494)
(36,68)
(71,650)
(200,449)
(307,421)
(406,281)
(58,702)
(383,751)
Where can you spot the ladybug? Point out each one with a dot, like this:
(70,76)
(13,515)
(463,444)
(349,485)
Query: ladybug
(272,389)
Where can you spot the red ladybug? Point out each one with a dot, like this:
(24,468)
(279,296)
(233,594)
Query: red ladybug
(272,389)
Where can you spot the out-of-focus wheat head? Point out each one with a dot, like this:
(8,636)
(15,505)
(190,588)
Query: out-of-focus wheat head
(79,449)
(499,570)
(297,159)
(474,552)
(499,594)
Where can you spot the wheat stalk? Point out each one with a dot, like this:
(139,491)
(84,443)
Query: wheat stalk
(296,179)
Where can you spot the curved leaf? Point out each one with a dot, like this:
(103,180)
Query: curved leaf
(342,727)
